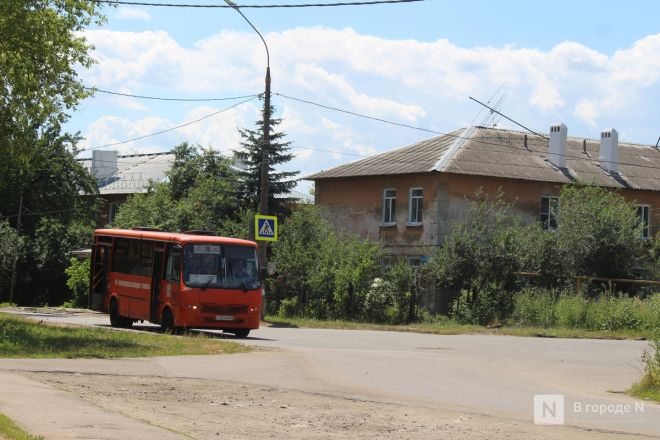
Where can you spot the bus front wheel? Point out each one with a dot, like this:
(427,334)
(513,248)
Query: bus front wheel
(167,320)
(241,332)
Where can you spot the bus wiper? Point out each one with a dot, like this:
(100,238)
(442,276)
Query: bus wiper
(208,282)
(245,287)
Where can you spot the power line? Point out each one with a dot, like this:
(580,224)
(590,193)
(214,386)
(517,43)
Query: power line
(168,129)
(456,136)
(58,211)
(360,115)
(304,5)
(158,98)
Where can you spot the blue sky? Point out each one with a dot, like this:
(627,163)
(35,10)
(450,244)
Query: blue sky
(589,64)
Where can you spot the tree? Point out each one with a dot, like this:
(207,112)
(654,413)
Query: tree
(324,273)
(41,51)
(598,232)
(280,182)
(201,193)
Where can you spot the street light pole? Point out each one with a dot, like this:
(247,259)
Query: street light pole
(265,148)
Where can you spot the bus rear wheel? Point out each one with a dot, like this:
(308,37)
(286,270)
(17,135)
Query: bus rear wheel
(116,320)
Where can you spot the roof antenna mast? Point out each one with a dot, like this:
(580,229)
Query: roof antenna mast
(507,118)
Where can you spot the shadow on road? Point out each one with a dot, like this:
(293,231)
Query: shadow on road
(280,324)
(217,334)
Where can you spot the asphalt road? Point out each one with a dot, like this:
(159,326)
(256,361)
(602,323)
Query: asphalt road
(476,374)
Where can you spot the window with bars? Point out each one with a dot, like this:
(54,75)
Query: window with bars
(416,206)
(549,211)
(389,206)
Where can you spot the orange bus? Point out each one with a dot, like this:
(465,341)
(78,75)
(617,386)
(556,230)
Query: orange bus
(188,280)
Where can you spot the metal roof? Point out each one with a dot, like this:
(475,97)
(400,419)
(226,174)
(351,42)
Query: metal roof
(134,172)
(503,153)
(417,158)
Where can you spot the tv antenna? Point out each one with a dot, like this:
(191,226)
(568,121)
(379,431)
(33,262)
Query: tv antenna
(490,100)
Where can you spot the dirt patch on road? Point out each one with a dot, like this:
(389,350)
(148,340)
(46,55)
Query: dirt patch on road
(203,409)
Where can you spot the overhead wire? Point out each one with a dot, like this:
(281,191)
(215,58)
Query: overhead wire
(267,6)
(305,101)
(112,144)
(452,135)
(158,98)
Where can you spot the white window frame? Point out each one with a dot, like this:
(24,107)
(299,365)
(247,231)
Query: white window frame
(547,223)
(392,207)
(416,221)
(646,230)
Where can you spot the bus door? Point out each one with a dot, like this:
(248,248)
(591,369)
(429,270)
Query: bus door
(171,285)
(157,275)
(99,273)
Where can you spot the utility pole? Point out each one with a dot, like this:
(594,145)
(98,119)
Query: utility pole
(265,148)
(12,283)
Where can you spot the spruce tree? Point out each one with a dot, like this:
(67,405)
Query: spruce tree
(280,182)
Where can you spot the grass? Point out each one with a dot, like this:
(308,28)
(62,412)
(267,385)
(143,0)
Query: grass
(448,327)
(10,431)
(24,338)
(648,386)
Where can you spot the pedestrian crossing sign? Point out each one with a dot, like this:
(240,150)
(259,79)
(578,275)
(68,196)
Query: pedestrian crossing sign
(265,227)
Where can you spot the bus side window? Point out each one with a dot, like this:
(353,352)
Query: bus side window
(172,272)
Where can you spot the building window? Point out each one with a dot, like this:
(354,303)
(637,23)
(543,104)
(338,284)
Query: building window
(644,216)
(416,206)
(112,211)
(549,212)
(389,206)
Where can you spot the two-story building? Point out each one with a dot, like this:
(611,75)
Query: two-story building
(408,198)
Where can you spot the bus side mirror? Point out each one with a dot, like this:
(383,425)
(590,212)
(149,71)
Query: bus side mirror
(262,274)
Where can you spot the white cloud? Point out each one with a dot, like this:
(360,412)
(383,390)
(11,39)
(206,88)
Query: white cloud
(545,96)
(425,84)
(131,13)
(586,111)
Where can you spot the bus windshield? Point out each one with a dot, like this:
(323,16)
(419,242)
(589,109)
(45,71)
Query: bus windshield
(220,266)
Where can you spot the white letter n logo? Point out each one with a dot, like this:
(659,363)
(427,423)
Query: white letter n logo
(549,409)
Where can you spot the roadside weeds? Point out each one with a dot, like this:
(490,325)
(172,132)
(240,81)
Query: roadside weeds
(453,328)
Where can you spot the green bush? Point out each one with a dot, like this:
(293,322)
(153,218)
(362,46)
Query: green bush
(78,282)
(329,272)
(570,311)
(598,232)
(651,362)
(388,300)
(484,306)
(534,307)
(545,308)
(289,308)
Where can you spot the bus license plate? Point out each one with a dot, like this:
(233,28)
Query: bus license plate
(224,318)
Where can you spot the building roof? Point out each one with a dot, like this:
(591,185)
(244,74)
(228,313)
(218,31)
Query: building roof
(417,158)
(483,151)
(133,172)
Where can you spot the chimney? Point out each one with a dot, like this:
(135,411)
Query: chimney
(557,148)
(104,164)
(609,150)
